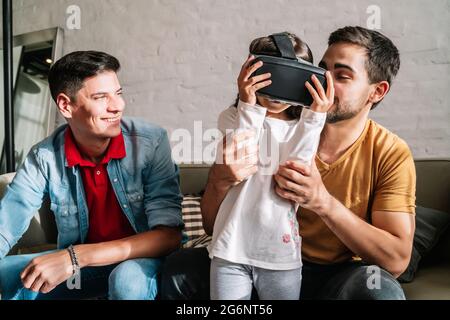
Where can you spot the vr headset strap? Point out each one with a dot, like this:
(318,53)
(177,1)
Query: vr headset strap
(284,45)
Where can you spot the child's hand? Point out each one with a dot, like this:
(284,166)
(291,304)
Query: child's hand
(247,87)
(322,101)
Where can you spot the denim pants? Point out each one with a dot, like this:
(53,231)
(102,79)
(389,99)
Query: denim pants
(185,275)
(134,279)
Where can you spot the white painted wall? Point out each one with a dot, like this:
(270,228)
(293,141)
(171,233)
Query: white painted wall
(180,58)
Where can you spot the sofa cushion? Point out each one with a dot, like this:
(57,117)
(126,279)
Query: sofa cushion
(430,283)
(192,218)
(430,225)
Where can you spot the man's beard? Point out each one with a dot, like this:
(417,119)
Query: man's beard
(341,112)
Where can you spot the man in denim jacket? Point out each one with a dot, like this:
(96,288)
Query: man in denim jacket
(113,188)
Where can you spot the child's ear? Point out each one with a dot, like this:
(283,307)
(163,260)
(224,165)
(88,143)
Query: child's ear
(380,90)
(65,105)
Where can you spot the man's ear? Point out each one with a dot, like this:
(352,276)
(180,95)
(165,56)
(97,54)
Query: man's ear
(65,105)
(381,89)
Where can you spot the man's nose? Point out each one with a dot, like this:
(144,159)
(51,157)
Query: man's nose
(116,104)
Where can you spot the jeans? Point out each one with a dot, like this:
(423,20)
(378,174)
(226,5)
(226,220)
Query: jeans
(185,275)
(134,279)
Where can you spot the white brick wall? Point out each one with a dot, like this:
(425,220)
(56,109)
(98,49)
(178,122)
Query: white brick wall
(180,58)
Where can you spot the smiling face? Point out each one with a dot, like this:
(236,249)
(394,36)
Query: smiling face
(353,91)
(98,107)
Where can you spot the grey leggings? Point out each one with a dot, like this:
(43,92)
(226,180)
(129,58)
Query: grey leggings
(234,281)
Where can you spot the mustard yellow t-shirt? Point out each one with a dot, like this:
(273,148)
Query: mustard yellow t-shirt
(376,173)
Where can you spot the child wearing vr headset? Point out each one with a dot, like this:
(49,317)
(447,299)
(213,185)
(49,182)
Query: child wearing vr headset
(256,242)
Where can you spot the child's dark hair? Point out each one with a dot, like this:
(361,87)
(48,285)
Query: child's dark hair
(68,73)
(266,46)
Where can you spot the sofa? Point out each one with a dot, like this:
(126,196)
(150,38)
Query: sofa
(431,281)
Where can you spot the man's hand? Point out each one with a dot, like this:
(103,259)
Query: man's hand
(322,100)
(45,272)
(248,86)
(386,243)
(303,184)
(237,159)
(234,164)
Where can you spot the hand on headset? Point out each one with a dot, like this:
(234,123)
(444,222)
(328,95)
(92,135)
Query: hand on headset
(322,100)
(248,86)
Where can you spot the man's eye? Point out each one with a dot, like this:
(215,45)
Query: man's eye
(99,97)
(343,77)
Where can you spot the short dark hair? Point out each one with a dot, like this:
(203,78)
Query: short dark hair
(383,58)
(68,73)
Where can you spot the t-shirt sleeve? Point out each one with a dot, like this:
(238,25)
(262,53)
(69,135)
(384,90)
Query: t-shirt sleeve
(233,119)
(227,120)
(396,184)
(251,118)
(244,116)
(303,144)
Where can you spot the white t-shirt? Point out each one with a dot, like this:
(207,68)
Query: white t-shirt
(254,225)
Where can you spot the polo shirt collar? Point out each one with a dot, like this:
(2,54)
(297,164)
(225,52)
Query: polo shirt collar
(115,150)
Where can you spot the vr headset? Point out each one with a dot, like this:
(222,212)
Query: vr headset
(289,74)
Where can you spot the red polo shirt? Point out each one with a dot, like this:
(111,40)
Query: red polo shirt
(106,220)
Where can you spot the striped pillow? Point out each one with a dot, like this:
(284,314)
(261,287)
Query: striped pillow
(193,226)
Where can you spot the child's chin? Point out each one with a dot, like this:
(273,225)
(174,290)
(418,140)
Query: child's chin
(272,106)
(279,108)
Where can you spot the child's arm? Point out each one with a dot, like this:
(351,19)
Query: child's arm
(250,117)
(305,141)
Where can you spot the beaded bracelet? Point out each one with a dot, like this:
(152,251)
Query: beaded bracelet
(73,257)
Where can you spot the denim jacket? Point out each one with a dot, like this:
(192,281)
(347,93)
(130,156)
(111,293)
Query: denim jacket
(146,183)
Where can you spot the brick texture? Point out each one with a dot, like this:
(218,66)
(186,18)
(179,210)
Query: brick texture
(181,58)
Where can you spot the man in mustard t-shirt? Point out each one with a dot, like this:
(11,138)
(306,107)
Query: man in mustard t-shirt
(357,200)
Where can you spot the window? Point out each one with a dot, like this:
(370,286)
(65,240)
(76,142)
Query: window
(34,112)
